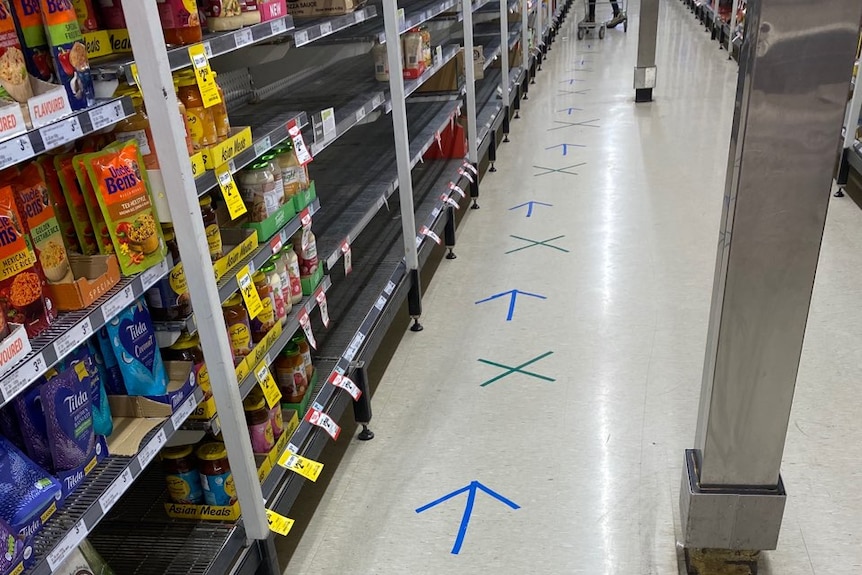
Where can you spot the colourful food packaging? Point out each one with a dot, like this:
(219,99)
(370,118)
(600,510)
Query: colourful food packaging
(86,355)
(9,426)
(118,176)
(103,236)
(31,418)
(69,52)
(69,418)
(133,340)
(112,376)
(23,290)
(31,33)
(11,546)
(13,69)
(86,15)
(112,14)
(27,490)
(84,229)
(61,208)
(39,220)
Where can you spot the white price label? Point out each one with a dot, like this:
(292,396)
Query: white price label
(278,26)
(323,421)
(347,385)
(378,99)
(151,449)
(456,189)
(435,212)
(359,16)
(15,150)
(66,545)
(73,338)
(208,50)
(360,114)
(305,322)
(402,24)
(243,37)
(200,60)
(299,148)
(348,257)
(118,303)
(108,115)
(262,146)
(471,167)
(450,201)
(466,174)
(353,348)
(62,132)
(184,411)
(154,274)
(381,301)
(390,287)
(301,38)
(324,308)
(327,116)
(113,493)
(429,233)
(14,384)
(326,28)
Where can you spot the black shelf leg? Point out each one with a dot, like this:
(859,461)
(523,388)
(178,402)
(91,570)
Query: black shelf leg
(474,189)
(517,103)
(449,233)
(505,124)
(492,151)
(414,301)
(269,557)
(362,407)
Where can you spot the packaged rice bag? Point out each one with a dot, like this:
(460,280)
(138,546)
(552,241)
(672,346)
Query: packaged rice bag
(85,354)
(31,418)
(11,548)
(133,340)
(31,32)
(69,52)
(107,362)
(61,208)
(10,428)
(39,220)
(27,489)
(84,229)
(120,180)
(23,289)
(13,69)
(69,418)
(103,237)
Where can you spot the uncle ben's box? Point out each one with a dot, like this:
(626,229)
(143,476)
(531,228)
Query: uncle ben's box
(69,51)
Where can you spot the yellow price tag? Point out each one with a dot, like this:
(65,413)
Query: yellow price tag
(278,523)
(308,468)
(249,293)
(268,385)
(135,77)
(204,75)
(235,205)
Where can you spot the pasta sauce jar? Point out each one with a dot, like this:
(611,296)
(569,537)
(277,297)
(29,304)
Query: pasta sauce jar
(238,328)
(181,475)
(259,425)
(215,475)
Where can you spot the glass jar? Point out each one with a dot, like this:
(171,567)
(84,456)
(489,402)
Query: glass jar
(181,475)
(271,159)
(137,127)
(220,113)
(305,245)
(182,109)
(216,478)
(201,121)
(188,348)
(180,22)
(293,174)
(281,269)
(305,350)
(276,417)
(259,425)
(274,280)
(290,374)
(266,319)
(211,227)
(238,328)
(426,46)
(381,61)
(168,299)
(257,188)
(291,261)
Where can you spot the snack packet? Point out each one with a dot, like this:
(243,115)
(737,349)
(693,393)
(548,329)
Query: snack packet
(103,237)
(120,180)
(69,52)
(84,230)
(134,343)
(31,33)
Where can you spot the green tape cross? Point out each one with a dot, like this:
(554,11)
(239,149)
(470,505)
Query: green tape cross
(534,243)
(519,369)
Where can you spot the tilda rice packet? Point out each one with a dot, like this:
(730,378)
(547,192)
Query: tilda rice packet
(69,51)
(119,179)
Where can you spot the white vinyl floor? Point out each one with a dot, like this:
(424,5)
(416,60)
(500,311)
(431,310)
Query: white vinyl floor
(584,444)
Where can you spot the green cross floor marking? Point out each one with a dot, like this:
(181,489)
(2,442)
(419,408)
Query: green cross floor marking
(519,369)
(534,243)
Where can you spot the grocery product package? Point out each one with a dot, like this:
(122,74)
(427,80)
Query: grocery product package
(34,42)
(86,354)
(9,426)
(222,15)
(11,548)
(84,229)
(69,418)
(23,289)
(27,490)
(34,429)
(119,179)
(94,210)
(84,560)
(133,340)
(13,70)
(69,52)
(112,15)
(58,200)
(35,206)
(106,360)
(86,15)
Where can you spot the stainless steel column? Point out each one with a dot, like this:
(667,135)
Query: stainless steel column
(795,65)
(645,70)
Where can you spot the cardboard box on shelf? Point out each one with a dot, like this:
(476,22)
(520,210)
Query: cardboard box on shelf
(13,348)
(95,275)
(316,8)
(448,78)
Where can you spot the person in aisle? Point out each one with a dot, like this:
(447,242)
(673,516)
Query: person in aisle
(619,15)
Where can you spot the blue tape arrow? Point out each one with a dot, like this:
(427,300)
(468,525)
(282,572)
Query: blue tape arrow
(513,297)
(565,147)
(530,205)
(471,490)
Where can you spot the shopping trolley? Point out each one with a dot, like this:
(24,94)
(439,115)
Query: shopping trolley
(589,26)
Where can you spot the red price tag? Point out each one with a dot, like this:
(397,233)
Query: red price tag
(466,174)
(439,140)
(305,322)
(456,189)
(303,155)
(346,384)
(324,308)
(305,218)
(426,232)
(348,257)
(323,421)
(276,244)
(450,201)
(471,167)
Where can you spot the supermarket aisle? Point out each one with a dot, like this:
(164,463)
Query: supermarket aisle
(587,439)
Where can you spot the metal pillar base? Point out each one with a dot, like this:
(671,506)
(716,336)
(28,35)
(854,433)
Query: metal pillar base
(730,518)
(643,95)
(721,562)
(644,83)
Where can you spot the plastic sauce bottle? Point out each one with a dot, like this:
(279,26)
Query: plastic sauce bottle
(291,261)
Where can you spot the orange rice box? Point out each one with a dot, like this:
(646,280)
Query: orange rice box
(84,230)
(23,292)
(118,176)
